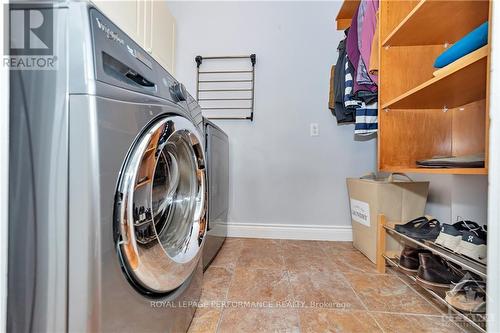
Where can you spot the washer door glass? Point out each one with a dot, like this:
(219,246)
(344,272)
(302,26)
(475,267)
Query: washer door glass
(160,217)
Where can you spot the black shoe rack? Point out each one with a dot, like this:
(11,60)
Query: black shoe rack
(475,321)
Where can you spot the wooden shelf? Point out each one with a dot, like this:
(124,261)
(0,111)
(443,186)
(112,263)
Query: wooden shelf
(434,22)
(463,84)
(346,12)
(448,171)
(462,62)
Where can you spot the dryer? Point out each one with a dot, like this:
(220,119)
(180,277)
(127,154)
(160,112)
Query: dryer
(107,187)
(217,154)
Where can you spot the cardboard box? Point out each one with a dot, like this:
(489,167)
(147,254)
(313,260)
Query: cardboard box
(399,199)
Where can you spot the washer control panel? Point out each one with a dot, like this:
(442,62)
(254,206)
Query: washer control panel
(121,62)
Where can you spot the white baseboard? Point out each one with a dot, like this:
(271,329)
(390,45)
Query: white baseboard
(290,231)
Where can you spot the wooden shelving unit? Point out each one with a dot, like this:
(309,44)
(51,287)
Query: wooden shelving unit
(426,112)
(422,26)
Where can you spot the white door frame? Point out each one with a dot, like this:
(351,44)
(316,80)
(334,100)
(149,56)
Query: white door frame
(493,305)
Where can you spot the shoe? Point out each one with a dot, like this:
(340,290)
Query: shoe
(436,273)
(426,231)
(473,245)
(408,260)
(468,295)
(451,234)
(421,228)
(411,225)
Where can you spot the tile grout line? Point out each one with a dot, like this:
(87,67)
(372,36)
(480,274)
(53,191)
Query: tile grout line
(376,321)
(406,314)
(345,278)
(419,294)
(403,314)
(219,321)
(414,290)
(342,274)
(285,266)
(354,291)
(359,298)
(251,269)
(233,271)
(386,312)
(371,312)
(432,304)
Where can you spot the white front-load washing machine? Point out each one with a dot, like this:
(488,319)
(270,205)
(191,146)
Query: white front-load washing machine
(107,186)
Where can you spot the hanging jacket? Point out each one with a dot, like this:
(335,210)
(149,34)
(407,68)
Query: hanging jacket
(374,60)
(331,92)
(354,55)
(340,112)
(368,23)
(362,75)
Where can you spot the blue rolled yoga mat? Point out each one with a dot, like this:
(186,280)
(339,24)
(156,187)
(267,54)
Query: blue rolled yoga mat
(470,42)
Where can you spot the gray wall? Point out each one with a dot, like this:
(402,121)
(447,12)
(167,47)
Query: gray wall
(457,196)
(279,174)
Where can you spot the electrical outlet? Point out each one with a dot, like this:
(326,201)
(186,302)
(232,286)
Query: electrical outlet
(314,129)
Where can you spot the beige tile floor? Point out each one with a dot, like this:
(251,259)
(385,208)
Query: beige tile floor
(260,285)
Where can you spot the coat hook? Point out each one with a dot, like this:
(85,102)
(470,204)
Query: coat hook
(445,108)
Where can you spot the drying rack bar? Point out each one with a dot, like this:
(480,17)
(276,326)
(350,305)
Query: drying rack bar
(234,118)
(223,72)
(223,81)
(225,108)
(227,57)
(224,99)
(206,90)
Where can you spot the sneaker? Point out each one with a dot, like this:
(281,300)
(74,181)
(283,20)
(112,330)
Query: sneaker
(468,296)
(408,260)
(451,234)
(473,245)
(436,273)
